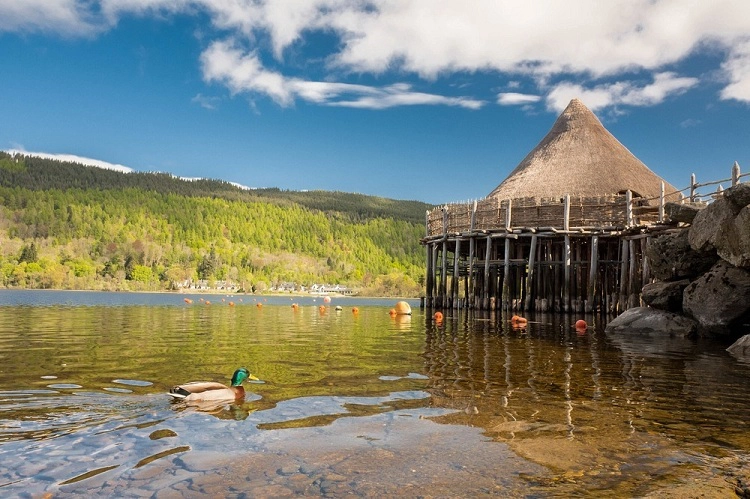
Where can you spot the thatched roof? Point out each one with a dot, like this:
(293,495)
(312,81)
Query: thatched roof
(581,158)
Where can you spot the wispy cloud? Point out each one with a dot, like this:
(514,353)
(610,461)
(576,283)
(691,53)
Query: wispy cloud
(242,72)
(620,93)
(582,42)
(516,99)
(205,101)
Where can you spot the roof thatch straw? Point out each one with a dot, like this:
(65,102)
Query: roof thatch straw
(581,158)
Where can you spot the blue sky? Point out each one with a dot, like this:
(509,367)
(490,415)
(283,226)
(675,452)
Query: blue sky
(433,100)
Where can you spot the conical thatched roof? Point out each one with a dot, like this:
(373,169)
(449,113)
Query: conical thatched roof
(581,158)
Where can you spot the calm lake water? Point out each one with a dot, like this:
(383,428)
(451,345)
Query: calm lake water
(356,404)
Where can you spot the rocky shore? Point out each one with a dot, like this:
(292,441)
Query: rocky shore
(702,273)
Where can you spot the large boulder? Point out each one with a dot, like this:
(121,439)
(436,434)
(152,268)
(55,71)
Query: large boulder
(733,242)
(720,297)
(739,195)
(651,320)
(682,212)
(665,295)
(711,221)
(671,257)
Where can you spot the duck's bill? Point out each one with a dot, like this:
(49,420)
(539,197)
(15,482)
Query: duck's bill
(252,378)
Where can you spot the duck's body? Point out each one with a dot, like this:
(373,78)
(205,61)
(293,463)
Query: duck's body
(210,390)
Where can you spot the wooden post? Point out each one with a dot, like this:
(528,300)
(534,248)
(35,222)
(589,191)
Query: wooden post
(631,275)
(693,186)
(530,276)
(506,276)
(470,277)
(454,281)
(646,265)
(486,291)
(735,174)
(661,203)
(566,276)
(428,273)
(508,209)
(621,302)
(434,291)
(593,273)
(444,261)
(628,208)
(566,212)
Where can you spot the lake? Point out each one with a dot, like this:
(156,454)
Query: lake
(356,403)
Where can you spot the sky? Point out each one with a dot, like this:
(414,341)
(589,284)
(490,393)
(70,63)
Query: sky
(429,100)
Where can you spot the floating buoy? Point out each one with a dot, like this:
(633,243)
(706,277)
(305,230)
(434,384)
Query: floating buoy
(392,312)
(403,308)
(581,326)
(327,299)
(339,308)
(355,310)
(231,304)
(295,306)
(259,305)
(322,309)
(518,321)
(208,302)
(438,316)
(188,300)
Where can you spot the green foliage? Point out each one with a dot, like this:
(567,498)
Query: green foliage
(101,229)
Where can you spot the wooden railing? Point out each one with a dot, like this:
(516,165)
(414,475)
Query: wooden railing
(604,212)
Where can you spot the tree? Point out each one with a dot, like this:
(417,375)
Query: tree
(28,254)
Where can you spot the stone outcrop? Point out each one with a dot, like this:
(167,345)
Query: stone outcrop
(741,348)
(682,212)
(702,272)
(720,297)
(665,295)
(672,257)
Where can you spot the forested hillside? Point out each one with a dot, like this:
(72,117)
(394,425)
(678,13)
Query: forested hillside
(69,226)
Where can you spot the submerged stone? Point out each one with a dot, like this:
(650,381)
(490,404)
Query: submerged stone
(651,320)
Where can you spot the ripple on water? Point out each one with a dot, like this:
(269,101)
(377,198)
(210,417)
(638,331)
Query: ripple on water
(62,386)
(132,382)
(117,390)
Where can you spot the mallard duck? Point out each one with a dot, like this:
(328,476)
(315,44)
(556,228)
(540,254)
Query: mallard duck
(210,390)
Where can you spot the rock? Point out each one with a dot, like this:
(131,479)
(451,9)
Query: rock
(739,195)
(709,222)
(720,297)
(651,320)
(682,212)
(733,242)
(671,257)
(741,348)
(665,295)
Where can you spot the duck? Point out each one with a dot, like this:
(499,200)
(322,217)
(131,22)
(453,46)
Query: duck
(211,390)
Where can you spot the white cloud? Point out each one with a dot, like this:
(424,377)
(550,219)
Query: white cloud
(620,93)
(73,159)
(516,99)
(576,40)
(206,102)
(241,72)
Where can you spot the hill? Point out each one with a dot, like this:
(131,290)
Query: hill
(66,225)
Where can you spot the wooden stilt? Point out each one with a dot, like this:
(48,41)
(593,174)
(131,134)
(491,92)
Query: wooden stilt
(506,276)
(486,290)
(530,276)
(631,274)
(624,260)
(593,274)
(454,281)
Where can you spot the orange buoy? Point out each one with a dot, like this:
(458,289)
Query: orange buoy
(355,310)
(581,325)
(392,312)
(295,306)
(208,302)
(231,304)
(322,309)
(188,300)
(438,316)
(403,308)
(327,299)
(259,305)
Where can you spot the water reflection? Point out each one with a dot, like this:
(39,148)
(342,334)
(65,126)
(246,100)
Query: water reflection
(528,410)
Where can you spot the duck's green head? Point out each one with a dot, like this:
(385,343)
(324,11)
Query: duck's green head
(241,375)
